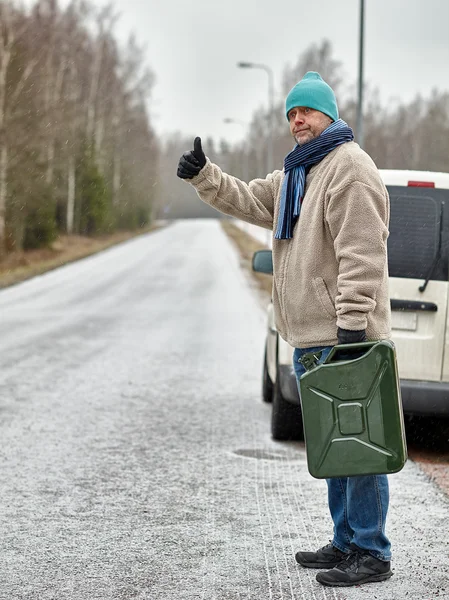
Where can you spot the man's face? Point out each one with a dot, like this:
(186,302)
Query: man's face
(306,123)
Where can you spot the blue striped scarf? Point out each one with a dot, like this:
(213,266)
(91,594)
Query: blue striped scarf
(295,164)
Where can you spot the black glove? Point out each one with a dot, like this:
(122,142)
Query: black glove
(345,336)
(191,163)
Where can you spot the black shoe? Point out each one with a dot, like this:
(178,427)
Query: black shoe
(358,567)
(324,558)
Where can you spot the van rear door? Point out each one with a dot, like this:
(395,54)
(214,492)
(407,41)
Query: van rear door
(418,268)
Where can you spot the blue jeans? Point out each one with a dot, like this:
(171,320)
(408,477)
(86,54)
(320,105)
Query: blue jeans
(358,505)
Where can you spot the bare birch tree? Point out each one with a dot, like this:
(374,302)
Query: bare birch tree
(13,28)
(73,112)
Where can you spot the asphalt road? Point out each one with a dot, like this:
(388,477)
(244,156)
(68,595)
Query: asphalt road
(135,459)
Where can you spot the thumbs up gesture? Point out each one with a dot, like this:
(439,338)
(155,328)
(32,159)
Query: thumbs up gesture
(191,163)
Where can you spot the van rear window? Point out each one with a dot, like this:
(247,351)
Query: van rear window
(418,217)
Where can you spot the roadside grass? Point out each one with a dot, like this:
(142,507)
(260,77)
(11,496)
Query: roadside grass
(19,266)
(247,245)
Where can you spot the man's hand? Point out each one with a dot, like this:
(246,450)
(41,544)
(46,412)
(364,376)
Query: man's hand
(191,163)
(345,336)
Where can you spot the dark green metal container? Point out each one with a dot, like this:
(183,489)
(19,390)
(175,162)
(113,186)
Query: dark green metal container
(352,411)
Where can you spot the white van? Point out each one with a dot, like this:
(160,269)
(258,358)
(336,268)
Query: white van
(418,266)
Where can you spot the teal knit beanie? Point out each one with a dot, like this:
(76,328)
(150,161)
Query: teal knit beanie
(315,93)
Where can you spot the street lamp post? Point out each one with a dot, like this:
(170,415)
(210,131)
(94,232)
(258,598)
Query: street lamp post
(245,149)
(269,72)
(359,125)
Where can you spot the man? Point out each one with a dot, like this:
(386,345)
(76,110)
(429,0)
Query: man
(329,211)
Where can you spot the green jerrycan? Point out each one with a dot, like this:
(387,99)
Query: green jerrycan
(352,411)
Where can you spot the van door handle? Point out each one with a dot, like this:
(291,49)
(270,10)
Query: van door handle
(413,305)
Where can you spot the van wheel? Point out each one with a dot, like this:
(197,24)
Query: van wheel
(267,384)
(286,420)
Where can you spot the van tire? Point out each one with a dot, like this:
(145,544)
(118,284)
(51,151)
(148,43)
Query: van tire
(286,419)
(267,384)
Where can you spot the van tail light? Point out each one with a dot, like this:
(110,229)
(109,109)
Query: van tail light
(427,184)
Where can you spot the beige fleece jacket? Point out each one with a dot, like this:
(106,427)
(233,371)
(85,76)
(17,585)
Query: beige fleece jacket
(333,272)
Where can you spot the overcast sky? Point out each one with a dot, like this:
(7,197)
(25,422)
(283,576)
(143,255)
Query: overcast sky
(193,47)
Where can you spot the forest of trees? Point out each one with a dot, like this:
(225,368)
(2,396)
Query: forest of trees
(398,135)
(77,151)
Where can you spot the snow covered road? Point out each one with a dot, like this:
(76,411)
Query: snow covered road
(135,456)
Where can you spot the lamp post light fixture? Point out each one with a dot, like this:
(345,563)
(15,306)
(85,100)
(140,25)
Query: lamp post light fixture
(269,72)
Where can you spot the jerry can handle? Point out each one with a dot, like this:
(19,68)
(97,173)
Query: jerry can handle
(348,351)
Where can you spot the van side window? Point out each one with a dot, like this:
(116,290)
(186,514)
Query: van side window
(417,217)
